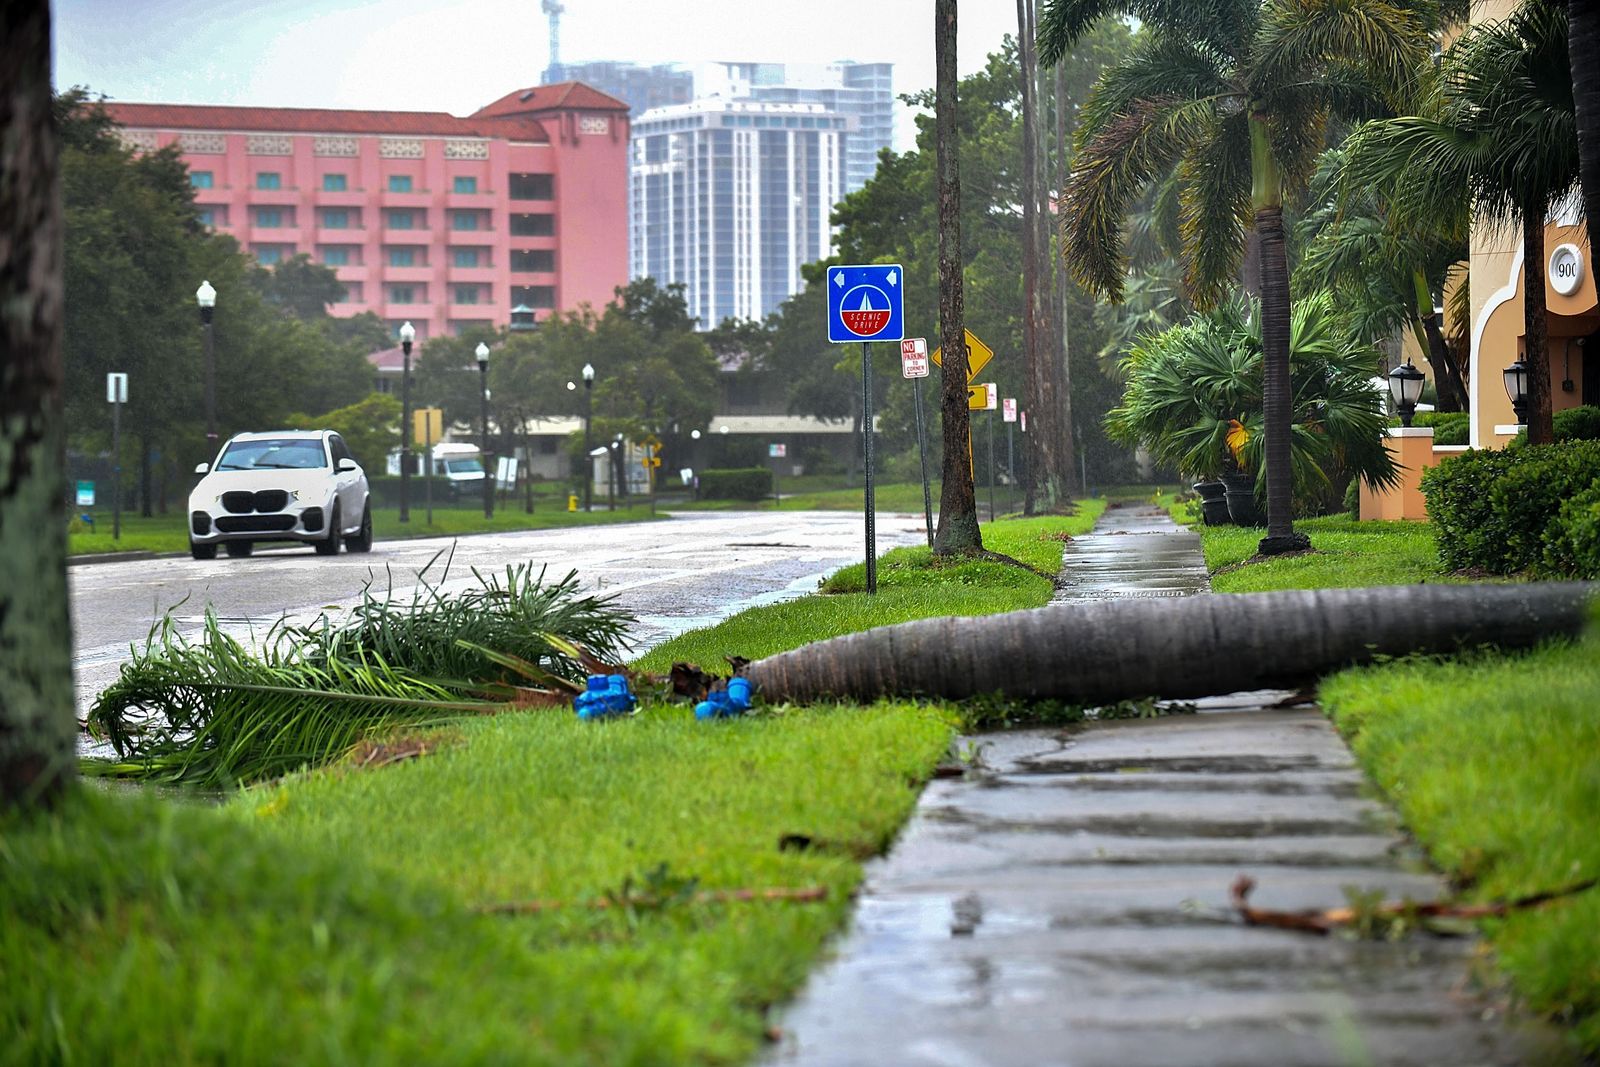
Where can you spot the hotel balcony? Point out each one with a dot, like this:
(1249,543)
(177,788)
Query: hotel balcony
(483,200)
(417,199)
(340,235)
(270,235)
(468,275)
(416,275)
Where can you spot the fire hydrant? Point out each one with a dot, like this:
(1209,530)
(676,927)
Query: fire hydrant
(572,501)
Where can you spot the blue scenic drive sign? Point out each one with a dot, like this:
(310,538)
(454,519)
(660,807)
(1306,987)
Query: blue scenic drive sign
(865,303)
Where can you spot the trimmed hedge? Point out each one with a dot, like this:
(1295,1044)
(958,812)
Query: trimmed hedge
(1449,427)
(1581,423)
(1511,510)
(740,483)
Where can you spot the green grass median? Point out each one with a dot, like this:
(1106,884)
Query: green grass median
(339,915)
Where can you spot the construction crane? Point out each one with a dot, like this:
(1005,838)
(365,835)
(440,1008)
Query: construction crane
(554,8)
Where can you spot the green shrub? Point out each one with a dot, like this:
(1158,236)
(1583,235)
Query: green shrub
(1449,427)
(1497,511)
(741,483)
(1572,542)
(1581,423)
(1352,498)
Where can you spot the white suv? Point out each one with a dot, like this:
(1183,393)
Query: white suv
(292,485)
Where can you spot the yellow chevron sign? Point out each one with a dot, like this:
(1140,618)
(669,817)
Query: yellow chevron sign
(978,355)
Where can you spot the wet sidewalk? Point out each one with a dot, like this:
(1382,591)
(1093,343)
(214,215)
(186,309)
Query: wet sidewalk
(1067,903)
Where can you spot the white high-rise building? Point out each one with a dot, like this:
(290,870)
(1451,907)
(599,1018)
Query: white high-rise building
(731,196)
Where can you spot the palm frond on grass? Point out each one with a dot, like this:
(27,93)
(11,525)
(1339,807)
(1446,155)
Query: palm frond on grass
(212,712)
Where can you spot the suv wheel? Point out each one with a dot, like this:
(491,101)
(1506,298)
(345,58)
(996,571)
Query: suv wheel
(199,551)
(362,541)
(329,546)
(237,549)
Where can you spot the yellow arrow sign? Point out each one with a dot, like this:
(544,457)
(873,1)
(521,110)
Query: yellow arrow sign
(978,355)
(981,397)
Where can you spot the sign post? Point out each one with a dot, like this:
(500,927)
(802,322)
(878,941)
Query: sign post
(430,424)
(116,396)
(866,303)
(777,450)
(1008,412)
(914,365)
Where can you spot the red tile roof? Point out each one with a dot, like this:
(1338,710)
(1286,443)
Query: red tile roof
(323,120)
(560,96)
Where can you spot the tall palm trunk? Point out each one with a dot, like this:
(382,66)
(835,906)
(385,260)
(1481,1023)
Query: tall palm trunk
(1446,375)
(1535,324)
(1036,395)
(37,726)
(1583,55)
(1063,346)
(958,506)
(1267,199)
(1104,651)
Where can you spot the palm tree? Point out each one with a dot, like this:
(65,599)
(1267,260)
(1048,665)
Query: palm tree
(1385,277)
(1193,397)
(1235,96)
(1583,55)
(1501,126)
(37,729)
(958,505)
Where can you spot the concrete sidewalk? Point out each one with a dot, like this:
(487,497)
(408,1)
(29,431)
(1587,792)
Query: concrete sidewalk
(1068,903)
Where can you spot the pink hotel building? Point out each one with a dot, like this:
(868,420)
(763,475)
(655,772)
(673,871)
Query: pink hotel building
(446,222)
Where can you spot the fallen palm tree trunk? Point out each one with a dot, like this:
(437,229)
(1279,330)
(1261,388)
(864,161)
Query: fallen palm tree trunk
(1105,651)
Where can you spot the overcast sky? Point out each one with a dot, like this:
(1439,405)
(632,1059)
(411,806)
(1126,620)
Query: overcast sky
(455,56)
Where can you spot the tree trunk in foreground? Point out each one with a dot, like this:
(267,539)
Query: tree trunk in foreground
(1061,359)
(1536,325)
(1036,391)
(37,725)
(958,504)
(1583,55)
(1103,651)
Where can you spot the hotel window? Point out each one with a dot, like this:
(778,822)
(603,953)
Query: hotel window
(207,216)
(269,218)
(466,294)
(269,179)
(402,294)
(537,261)
(533,187)
(533,225)
(200,179)
(335,256)
(401,220)
(535,296)
(464,257)
(349,294)
(402,257)
(336,218)
(463,220)
(399,183)
(334,183)
(267,255)
(465,185)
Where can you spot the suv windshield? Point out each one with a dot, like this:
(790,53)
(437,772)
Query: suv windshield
(286,453)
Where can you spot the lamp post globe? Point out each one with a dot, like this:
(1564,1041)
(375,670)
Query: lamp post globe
(1405,389)
(408,335)
(206,298)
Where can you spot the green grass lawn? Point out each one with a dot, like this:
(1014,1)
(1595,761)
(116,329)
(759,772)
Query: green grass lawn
(169,533)
(1494,763)
(1491,759)
(330,917)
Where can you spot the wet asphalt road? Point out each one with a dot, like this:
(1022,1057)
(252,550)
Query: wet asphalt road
(676,575)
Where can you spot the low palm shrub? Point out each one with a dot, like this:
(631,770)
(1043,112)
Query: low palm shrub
(1194,398)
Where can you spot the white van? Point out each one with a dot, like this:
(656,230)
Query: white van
(459,465)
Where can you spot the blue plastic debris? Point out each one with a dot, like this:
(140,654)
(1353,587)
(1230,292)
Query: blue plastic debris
(606,695)
(726,704)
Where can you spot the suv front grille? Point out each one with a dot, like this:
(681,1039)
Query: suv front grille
(255,523)
(240,502)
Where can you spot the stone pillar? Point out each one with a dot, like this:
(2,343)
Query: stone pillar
(1412,449)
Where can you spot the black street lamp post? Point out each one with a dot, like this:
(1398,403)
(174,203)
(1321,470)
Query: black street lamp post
(408,334)
(1405,389)
(588,413)
(1516,379)
(206,297)
(482,352)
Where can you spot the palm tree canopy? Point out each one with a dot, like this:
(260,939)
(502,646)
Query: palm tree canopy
(1182,102)
(1499,124)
